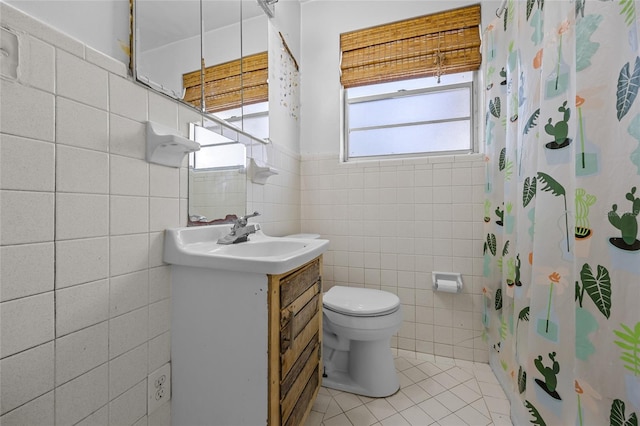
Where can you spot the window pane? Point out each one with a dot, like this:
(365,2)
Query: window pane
(430,106)
(435,137)
(221,156)
(411,84)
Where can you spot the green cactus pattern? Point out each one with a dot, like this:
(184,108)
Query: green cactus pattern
(576,177)
(583,202)
(627,224)
(560,130)
(549,373)
(500,214)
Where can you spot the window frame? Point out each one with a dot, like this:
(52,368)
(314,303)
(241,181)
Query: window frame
(346,129)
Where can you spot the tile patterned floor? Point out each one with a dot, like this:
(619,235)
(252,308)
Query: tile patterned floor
(433,391)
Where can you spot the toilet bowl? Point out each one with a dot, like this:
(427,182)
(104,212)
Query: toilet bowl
(357,327)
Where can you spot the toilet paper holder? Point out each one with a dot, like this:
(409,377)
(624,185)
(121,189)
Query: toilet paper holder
(448,282)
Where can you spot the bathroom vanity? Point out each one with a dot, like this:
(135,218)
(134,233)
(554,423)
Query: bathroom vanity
(245,344)
(295,335)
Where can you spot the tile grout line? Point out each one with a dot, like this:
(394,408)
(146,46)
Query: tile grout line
(403,364)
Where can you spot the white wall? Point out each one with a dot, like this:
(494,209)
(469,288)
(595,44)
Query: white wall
(390,222)
(104,24)
(84,292)
(85,303)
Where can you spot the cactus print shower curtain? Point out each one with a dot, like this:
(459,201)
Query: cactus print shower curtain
(562,208)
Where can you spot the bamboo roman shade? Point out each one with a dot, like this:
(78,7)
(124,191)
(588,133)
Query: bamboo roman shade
(431,45)
(231,84)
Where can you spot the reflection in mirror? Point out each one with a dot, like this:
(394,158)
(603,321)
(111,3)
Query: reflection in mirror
(167,43)
(173,44)
(217,176)
(236,70)
(254,119)
(170,40)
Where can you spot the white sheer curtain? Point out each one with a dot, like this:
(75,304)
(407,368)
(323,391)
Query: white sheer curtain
(562,254)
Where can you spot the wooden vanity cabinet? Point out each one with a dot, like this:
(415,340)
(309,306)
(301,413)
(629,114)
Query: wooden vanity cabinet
(245,346)
(295,343)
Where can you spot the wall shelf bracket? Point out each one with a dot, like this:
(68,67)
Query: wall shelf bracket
(259,173)
(167,148)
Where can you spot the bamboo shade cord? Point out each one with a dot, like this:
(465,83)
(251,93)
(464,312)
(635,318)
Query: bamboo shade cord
(442,43)
(231,84)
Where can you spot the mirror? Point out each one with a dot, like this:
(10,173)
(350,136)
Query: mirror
(167,43)
(217,177)
(237,90)
(170,39)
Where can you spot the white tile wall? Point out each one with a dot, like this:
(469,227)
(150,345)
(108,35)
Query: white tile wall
(31,270)
(128,292)
(82,351)
(22,107)
(81,216)
(129,215)
(26,376)
(126,137)
(81,306)
(84,305)
(81,125)
(38,411)
(25,323)
(279,200)
(21,157)
(128,176)
(214,194)
(128,331)
(81,170)
(94,253)
(129,253)
(391,223)
(99,209)
(36,208)
(41,64)
(82,396)
(159,351)
(127,370)
(81,80)
(130,406)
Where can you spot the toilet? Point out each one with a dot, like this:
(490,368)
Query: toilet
(356,339)
(357,327)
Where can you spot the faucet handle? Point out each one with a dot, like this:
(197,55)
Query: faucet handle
(242,221)
(254,214)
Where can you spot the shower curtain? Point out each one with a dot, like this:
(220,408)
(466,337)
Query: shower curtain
(561,300)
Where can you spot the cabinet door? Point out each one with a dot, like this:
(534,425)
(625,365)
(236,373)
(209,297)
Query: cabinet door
(299,327)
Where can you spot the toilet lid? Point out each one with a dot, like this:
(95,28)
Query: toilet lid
(360,301)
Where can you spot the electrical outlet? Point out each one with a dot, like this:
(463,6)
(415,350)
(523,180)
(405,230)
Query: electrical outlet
(159,387)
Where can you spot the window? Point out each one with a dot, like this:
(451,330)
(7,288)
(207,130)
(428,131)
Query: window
(410,117)
(409,85)
(217,152)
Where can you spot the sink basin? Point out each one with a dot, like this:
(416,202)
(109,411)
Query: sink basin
(197,246)
(269,247)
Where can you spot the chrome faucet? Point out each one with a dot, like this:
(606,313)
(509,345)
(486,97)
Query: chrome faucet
(240,230)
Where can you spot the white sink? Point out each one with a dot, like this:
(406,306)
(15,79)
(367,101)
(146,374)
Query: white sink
(197,246)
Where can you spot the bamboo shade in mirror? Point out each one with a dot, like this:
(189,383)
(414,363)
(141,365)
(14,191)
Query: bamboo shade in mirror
(229,85)
(431,45)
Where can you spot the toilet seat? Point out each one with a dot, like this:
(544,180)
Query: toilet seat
(360,302)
